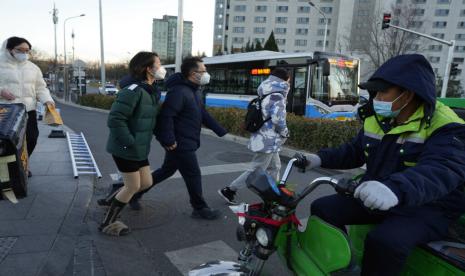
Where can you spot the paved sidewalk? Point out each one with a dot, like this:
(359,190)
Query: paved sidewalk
(39,234)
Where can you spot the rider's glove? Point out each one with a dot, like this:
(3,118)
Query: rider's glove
(307,161)
(376,195)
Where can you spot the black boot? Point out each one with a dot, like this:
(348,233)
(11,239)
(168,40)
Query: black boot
(108,199)
(134,202)
(111,216)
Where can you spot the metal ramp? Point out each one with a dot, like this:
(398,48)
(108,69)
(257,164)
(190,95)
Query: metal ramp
(81,157)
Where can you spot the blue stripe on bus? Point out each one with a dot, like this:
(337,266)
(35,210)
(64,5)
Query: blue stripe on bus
(310,110)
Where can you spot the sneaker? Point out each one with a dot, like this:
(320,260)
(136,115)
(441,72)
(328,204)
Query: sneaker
(206,213)
(228,195)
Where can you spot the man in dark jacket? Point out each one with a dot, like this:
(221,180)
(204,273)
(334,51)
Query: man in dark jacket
(414,151)
(178,131)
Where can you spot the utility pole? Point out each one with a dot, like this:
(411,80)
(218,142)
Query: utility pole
(386,24)
(72,37)
(102,57)
(179,36)
(55,69)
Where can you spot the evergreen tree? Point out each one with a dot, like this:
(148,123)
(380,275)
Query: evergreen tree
(270,44)
(258,46)
(247,47)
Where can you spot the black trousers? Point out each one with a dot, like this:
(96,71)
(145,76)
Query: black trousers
(32,131)
(187,164)
(398,231)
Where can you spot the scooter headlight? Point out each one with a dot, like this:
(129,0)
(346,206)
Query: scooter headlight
(241,220)
(263,237)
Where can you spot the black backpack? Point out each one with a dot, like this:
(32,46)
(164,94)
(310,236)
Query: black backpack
(254,117)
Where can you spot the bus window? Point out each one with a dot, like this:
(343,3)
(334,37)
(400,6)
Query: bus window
(218,82)
(238,81)
(343,82)
(317,84)
(297,95)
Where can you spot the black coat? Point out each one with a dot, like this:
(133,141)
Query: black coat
(182,115)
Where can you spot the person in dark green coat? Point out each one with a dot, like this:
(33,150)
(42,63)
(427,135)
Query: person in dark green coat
(131,122)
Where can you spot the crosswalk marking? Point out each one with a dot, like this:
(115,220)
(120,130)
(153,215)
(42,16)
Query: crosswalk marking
(206,170)
(187,258)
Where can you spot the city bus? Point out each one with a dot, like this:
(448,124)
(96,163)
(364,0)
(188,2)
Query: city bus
(323,85)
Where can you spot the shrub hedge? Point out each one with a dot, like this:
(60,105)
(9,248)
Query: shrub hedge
(306,134)
(97,100)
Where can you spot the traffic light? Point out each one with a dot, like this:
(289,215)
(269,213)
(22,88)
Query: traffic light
(386,21)
(454,71)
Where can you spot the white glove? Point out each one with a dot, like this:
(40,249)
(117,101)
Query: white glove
(376,195)
(313,161)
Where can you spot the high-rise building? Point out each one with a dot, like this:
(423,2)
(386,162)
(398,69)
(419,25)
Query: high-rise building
(296,25)
(164,37)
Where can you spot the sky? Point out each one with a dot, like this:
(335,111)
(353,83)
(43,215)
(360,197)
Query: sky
(127,25)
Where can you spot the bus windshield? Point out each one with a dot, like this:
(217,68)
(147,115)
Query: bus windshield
(342,81)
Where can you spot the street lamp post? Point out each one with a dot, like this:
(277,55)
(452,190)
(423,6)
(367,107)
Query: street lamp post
(65,72)
(179,36)
(102,57)
(326,22)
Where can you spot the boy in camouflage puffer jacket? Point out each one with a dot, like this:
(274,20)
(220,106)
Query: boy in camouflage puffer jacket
(267,141)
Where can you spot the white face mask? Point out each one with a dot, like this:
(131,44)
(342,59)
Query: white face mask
(21,57)
(160,73)
(204,78)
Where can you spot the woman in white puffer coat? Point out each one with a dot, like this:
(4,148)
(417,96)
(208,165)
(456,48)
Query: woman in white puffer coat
(21,81)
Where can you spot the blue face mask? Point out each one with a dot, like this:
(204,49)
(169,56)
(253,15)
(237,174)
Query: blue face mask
(385,108)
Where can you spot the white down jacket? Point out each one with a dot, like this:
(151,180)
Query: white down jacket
(23,79)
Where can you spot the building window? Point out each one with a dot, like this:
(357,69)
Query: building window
(419,12)
(259,30)
(301,31)
(443,1)
(435,48)
(261,40)
(238,40)
(303,20)
(459,48)
(300,42)
(321,21)
(434,59)
(327,9)
(441,12)
(438,35)
(238,30)
(304,9)
(280,41)
(319,43)
(363,13)
(280,30)
(260,19)
(281,20)
(322,32)
(458,60)
(461,24)
(239,18)
(219,36)
(282,8)
(460,37)
(418,1)
(415,24)
(240,8)
(439,24)
(260,8)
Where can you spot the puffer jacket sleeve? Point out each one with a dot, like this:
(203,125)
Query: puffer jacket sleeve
(42,93)
(120,112)
(173,104)
(439,171)
(212,124)
(278,114)
(347,156)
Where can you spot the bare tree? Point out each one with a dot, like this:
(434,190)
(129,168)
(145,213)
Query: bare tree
(381,45)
